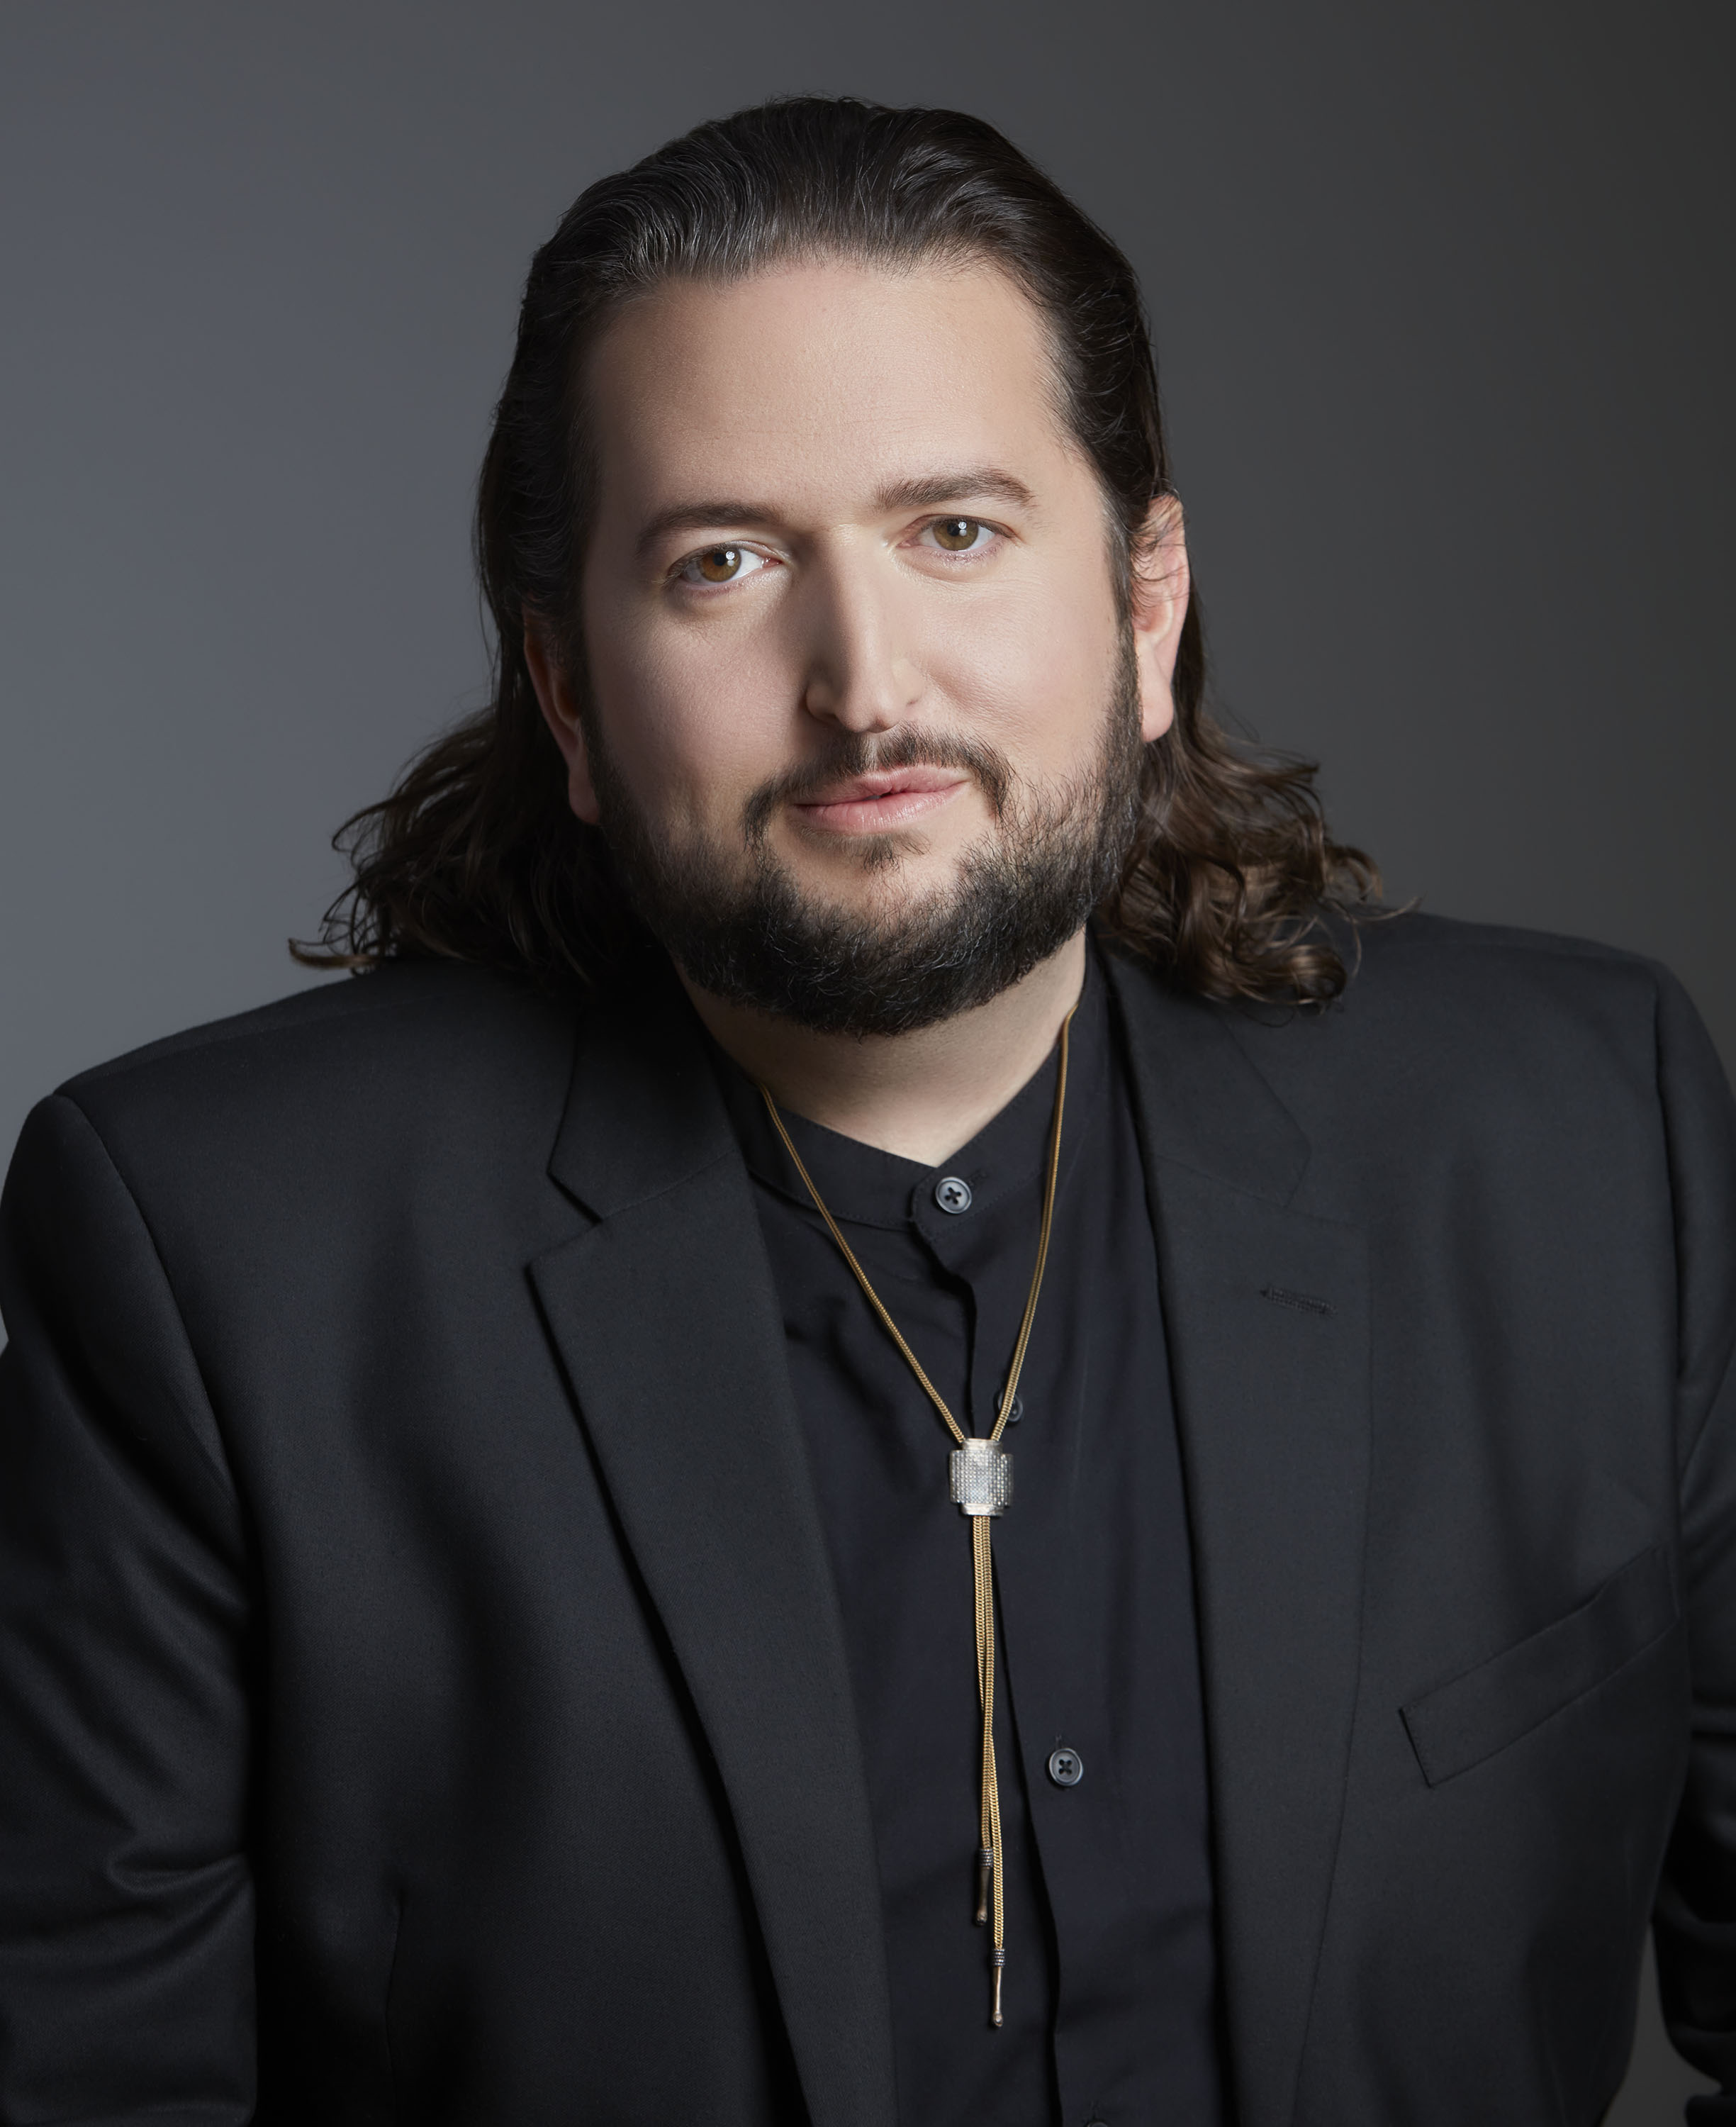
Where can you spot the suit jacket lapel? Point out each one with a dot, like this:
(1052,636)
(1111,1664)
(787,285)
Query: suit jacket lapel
(1266,1309)
(668,1328)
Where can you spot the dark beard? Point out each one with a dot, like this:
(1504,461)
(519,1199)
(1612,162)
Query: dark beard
(1024,888)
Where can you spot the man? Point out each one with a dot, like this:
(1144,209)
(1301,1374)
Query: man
(502,1624)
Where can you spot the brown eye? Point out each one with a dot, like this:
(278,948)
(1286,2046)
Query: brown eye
(957,534)
(718,564)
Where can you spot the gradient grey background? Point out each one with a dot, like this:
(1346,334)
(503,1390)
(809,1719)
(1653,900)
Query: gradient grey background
(1443,301)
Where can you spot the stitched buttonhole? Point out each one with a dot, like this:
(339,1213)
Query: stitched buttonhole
(1304,1302)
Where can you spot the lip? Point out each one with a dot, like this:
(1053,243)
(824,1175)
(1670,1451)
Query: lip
(883,799)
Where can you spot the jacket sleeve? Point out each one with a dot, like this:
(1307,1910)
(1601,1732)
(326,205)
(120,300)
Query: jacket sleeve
(126,1905)
(1696,1919)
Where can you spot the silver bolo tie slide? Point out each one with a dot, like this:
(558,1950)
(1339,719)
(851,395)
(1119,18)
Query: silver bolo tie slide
(982,1478)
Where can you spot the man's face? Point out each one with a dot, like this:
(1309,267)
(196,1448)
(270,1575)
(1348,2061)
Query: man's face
(849,612)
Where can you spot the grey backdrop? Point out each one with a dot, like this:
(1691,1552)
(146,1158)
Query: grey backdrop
(1442,297)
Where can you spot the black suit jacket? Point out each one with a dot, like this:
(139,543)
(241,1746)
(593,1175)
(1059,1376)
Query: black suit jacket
(421,1692)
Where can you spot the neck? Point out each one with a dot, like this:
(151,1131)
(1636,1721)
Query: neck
(919,1095)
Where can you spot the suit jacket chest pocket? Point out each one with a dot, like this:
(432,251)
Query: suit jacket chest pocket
(1462,1722)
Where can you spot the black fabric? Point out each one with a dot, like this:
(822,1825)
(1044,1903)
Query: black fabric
(423,1690)
(1110,1981)
(1505,1697)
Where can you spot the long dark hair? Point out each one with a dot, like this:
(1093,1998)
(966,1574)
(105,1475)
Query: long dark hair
(475,856)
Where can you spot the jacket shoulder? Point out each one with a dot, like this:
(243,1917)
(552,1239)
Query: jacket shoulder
(414,1052)
(381,1007)
(1452,1033)
(1412,945)
(1439,986)
(1427,986)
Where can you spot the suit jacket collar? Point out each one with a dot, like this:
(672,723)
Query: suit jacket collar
(643,1112)
(1203,1104)
(639,1062)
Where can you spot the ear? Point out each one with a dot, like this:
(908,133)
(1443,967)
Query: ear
(1160,603)
(561,714)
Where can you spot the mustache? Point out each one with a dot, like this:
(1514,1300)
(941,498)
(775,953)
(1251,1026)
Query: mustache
(864,753)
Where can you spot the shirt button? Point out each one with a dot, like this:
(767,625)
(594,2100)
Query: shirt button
(953,1195)
(1067,1768)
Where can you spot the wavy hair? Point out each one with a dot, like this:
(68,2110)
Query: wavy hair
(475,854)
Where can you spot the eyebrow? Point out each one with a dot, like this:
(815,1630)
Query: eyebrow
(928,491)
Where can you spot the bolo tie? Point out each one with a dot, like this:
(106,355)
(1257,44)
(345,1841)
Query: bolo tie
(980,1472)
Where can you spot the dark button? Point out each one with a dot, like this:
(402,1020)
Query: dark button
(953,1195)
(1016,1413)
(1067,1768)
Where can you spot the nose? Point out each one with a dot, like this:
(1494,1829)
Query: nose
(860,671)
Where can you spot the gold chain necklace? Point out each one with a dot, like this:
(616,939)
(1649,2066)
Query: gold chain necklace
(981,1474)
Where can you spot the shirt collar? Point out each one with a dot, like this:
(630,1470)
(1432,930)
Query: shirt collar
(864,1186)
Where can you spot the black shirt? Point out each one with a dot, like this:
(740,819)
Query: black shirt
(1110,1980)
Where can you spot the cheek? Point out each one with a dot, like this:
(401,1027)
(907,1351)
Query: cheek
(691,731)
(1032,674)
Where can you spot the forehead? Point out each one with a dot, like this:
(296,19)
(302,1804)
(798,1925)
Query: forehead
(819,374)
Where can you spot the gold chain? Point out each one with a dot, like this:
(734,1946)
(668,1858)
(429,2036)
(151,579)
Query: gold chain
(990,1860)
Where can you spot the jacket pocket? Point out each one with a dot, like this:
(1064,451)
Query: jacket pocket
(1462,1722)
